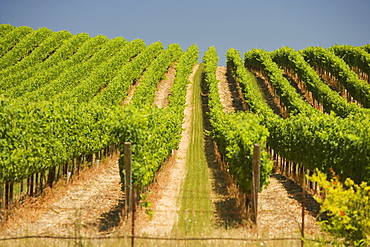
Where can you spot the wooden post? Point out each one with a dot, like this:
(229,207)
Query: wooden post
(22,187)
(51,176)
(78,166)
(65,168)
(134,201)
(7,195)
(1,195)
(31,185)
(256,181)
(41,184)
(128,177)
(303,206)
(57,173)
(36,183)
(74,165)
(11,194)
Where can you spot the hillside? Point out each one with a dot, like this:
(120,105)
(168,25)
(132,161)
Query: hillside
(69,102)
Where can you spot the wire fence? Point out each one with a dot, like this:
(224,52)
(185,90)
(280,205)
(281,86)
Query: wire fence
(230,228)
(130,240)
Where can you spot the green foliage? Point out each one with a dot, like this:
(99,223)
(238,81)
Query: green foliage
(64,67)
(327,60)
(260,59)
(47,47)
(324,142)
(366,48)
(27,75)
(235,134)
(348,205)
(5,28)
(251,93)
(145,91)
(353,56)
(37,137)
(26,45)
(84,80)
(116,90)
(311,138)
(155,132)
(289,58)
(146,204)
(12,38)
(89,77)
(32,78)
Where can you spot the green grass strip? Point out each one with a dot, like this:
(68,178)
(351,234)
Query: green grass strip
(196,214)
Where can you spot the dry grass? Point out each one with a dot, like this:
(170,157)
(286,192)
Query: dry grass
(34,207)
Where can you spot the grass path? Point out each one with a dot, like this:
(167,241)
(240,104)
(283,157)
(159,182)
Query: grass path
(197,212)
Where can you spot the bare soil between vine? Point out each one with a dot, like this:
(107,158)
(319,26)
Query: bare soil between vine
(85,205)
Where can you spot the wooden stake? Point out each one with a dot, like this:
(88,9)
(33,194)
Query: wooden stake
(41,182)
(134,202)
(256,181)
(51,177)
(36,183)
(1,195)
(7,195)
(128,177)
(11,194)
(31,185)
(303,206)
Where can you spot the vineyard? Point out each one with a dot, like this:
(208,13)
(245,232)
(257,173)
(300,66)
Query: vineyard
(69,101)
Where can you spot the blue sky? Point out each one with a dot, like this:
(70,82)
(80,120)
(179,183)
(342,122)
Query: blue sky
(239,24)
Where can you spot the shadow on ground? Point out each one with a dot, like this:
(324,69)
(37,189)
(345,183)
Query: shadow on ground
(109,220)
(295,192)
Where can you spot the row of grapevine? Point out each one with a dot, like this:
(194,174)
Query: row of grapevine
(288,58)
(260,59)
(325,60)
(39,135)
(26,80)
(245,78)
(11,38)
(32,89)
(324,142)
(357,58)
(24,47)
(157,131)
(5,28)
(76,75)
(116,90)
(321,141)
(235,133)
(39,54)
(145,91)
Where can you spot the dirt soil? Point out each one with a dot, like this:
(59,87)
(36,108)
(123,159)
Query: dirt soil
(166,189)
(164,88)
(88,205)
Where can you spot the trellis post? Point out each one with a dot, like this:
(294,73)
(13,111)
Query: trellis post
(255,181)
